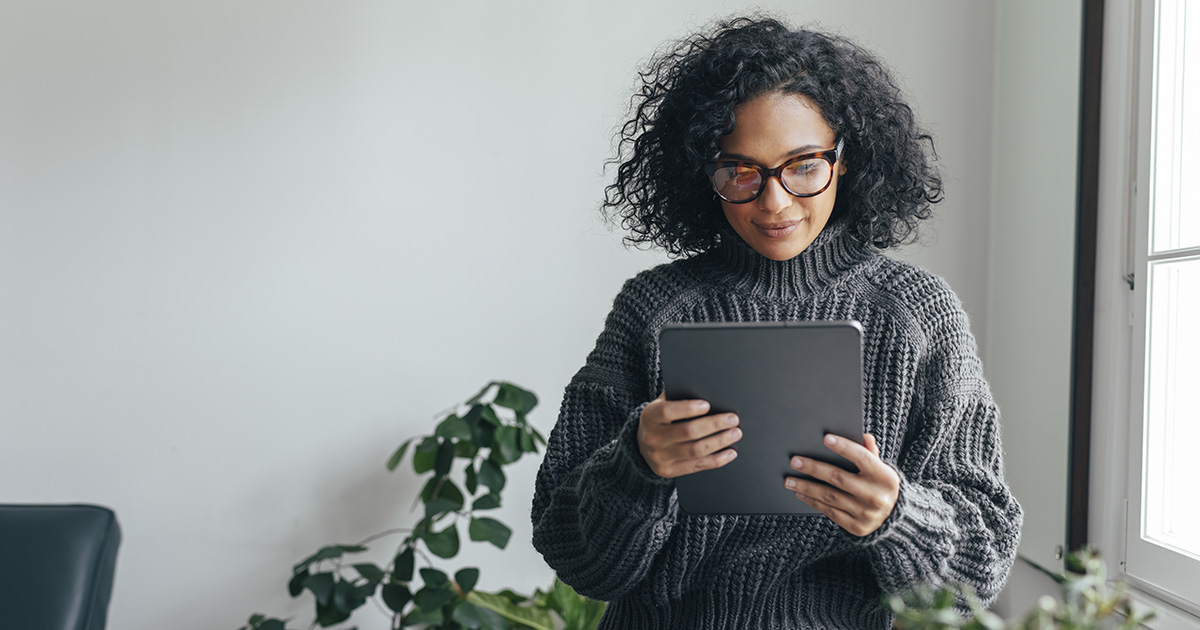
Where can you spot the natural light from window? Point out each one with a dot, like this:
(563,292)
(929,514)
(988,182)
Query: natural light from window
(1173,400)
(1169,260)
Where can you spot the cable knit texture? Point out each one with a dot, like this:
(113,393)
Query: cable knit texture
(612,529)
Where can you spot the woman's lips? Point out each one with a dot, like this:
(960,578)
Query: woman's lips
(777,230)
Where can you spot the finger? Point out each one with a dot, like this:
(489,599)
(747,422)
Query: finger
(868,463)
(700,428)
(832,475)
(675,410)
(825,494)
(871,444)
(697,449)
(839,516)
(708,462)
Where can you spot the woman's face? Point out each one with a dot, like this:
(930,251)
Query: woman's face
(770,130)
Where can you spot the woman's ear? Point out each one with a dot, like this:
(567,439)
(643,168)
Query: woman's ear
(841,168)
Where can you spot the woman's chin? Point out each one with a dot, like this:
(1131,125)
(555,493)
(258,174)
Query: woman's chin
(783,249)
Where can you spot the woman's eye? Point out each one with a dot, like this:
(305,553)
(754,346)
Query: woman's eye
(744,174)
(807,167)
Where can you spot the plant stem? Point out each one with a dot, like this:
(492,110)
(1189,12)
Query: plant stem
(383,534)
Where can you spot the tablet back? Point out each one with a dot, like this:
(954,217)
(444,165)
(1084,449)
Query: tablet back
(789,382)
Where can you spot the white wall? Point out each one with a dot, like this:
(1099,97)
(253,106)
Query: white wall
(1030,270)
(240,259)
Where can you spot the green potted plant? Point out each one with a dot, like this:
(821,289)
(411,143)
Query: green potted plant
(1088,603)
(464,458)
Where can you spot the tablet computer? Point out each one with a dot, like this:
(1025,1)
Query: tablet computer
(790,383)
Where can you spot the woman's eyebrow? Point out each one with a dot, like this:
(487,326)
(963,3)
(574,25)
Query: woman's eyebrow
(808,148)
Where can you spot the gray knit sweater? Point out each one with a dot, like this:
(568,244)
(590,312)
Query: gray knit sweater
(612,529)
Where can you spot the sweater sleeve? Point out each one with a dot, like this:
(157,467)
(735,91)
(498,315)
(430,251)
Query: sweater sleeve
(600,515)
(955,522)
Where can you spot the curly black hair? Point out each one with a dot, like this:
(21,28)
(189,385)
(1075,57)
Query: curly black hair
(685,104)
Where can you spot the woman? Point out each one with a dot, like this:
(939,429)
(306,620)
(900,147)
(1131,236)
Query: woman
(777,164)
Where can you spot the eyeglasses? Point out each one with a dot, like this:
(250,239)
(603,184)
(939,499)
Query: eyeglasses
(805,175)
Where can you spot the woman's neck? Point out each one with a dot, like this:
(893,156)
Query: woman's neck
(827,260)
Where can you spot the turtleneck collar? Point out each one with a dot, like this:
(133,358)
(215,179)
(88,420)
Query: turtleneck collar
(833,253)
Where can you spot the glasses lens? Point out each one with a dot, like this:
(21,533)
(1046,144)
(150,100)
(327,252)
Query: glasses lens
(736,182)
(807,177)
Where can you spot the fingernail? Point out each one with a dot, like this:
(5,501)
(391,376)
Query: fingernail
(731,420)
(791,484)
(830,440)
(736,434)
(797,462)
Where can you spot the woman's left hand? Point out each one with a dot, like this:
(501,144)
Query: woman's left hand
(859,503)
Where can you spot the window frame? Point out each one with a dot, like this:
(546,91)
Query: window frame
(1151,567)
(1118,370)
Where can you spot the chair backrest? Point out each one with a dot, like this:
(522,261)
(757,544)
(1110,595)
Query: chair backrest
(56,566)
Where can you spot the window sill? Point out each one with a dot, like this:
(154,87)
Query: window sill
(1168,616)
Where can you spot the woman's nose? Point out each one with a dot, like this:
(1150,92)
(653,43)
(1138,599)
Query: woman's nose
(774,197)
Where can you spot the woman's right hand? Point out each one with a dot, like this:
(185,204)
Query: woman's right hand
(673,448)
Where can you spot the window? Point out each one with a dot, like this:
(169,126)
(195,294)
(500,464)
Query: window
(1162,530)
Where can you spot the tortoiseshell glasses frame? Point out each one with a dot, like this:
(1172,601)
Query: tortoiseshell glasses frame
(807,175)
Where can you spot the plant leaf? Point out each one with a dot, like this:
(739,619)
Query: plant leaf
(453,428)
(441,496)
(327,552)
(472,478)
(489,416)
(296,584)
(425,456)
(418,616)
(489,530)
(515,598)
(445,458)
(507,443)
(491,475)
(331,615)
(371,572)
(321,586)
(396,596)
(485,435)
(467,579)
(527,444)
(473,416)
(398,456)
(536,618)
(423,462)
(465,448)
(519,400)
(402,566)
(483,392)
(467,615)
(260,622)
(431,599)
(443,544)
(488,501)
(568,603)
(538,436)
(434,578)
(346,596)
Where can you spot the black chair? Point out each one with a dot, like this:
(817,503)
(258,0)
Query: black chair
(56,566)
